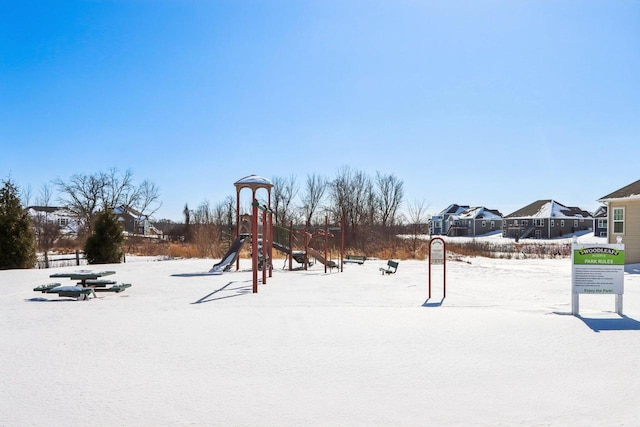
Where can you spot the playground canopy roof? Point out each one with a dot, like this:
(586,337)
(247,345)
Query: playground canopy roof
(253,181)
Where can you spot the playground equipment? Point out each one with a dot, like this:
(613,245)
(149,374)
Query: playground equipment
(261,247)
(231,256)
(262,242)
(284,241)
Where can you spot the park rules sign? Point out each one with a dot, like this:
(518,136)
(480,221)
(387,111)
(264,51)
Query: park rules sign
(597,269)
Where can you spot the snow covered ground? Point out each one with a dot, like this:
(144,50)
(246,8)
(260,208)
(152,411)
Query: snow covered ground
(353,348)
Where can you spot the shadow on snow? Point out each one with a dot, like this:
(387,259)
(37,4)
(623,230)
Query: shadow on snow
(241,290)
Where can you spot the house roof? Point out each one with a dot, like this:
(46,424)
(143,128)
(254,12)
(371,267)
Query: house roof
(481,213)
(601,212)
(122,209)
(549,209)
(47,209)
(630,191)
(454,209)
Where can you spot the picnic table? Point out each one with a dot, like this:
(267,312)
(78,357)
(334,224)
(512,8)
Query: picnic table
(83,276)
(89,283)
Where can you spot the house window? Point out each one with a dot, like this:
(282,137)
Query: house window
(553,223)
(618,220)
(575,223)
(63,222)
(525,222)
(602,223)
(538,222)
(493,224)
(562,223)
(484,224)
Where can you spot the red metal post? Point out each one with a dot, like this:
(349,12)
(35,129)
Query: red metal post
(270,216)
(429,270)
(264,247)
(254,244)
(306,249)
(237,224)
(291,246)
(444,274)
(342,244)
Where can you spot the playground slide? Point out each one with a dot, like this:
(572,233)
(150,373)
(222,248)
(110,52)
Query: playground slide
(231,255)
(297,255)
(320,257)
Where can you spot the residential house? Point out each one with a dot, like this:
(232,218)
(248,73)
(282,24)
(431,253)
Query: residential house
(474,222)
(136,223)
(600,222)
(623,215)
(546,219)
(440,222)
(41,215)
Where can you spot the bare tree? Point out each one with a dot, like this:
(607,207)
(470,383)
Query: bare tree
(417,216)
(206,233)
(352,197)
(148,194)
(85,195)
(25,196)
(390,194)
(284,191)
(45,195)
(82,196)
(224,216)
(118,190)
(316,187)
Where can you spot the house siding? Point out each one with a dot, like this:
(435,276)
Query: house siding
(631,235)
(480,230)
(544,228)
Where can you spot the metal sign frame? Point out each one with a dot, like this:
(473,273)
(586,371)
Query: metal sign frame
(438,255)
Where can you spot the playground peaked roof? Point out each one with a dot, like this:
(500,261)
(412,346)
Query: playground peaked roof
(253,181)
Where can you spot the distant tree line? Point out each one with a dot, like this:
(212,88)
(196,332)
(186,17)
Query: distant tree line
(369,206)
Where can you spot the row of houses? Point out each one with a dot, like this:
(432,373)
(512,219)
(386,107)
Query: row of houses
(542,219)
(617,217)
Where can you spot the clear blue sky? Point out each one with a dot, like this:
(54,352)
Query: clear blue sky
(486,103)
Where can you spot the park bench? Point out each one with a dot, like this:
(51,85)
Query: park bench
(77,292)
(97,282)
(357,259)
(390,268)
(116,287)
(46,287)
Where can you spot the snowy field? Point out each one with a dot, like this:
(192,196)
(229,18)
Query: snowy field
(357,348)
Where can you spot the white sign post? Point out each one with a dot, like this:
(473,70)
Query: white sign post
(597,269)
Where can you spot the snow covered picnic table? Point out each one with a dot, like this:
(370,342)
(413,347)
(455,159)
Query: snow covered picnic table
(83,276)
(89,283)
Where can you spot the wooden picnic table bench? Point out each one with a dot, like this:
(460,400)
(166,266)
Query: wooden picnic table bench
(98,282)
(117,288)
(72,291)
(391,267)
(44,288)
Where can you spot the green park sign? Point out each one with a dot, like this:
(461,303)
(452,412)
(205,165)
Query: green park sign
(597,269)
